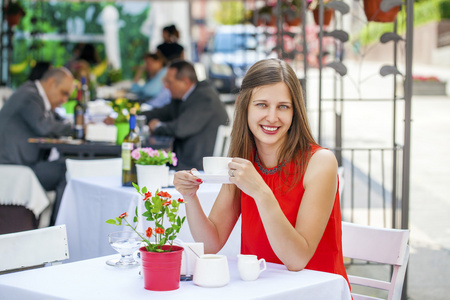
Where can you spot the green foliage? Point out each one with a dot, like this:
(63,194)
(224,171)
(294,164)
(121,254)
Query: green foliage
(424,12)
(230,13)
(158,208)
(56,16)
(444,9)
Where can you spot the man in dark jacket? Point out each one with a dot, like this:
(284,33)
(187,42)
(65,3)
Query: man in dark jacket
(192,117)
(29,113)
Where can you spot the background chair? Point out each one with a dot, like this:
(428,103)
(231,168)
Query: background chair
(23,201)
(32,248)
(93,167)
(223,140)
(381,245)
(341,181)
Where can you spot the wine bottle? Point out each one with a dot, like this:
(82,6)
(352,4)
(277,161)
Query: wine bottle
(86,94)
(130,142)
(78,118)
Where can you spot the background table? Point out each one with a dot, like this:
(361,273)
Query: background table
(88,202)
(93,279)
(82,149)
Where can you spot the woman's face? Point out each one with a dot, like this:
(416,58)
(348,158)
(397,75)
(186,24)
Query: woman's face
(270,115)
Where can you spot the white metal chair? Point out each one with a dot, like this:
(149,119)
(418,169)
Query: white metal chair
(33,248)
(381,245)
(341,181)
(223,140)
(77,168)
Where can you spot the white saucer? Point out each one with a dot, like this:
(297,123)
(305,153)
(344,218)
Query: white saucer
(213,178)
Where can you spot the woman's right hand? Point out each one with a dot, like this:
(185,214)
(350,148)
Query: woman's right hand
(186,183)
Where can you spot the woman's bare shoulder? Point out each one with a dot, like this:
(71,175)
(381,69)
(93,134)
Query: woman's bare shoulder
(323,161)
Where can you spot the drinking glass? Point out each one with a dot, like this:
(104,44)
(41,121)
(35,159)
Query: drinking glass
(126,243)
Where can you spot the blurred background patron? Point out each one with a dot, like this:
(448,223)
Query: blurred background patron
(153,89)
(192,117)
(30,113)
(170,48)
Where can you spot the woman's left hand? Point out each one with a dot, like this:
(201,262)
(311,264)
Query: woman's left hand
(244,175)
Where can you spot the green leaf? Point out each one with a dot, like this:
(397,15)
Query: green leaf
(111,221)
(136,187)
(171,238)
(144,190)
(135,219)
(148,205)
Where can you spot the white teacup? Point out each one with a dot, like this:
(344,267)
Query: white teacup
(216,165)
(211,270)
(250,267)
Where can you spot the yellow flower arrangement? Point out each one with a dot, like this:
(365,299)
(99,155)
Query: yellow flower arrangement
(122,107)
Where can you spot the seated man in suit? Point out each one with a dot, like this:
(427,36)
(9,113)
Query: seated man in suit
(192,117)
(28,113)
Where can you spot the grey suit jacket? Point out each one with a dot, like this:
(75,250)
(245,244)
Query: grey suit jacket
(193,123)
(23,116)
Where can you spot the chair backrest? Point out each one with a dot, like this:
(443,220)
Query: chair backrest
(77,168)
(381,245)
(222,141)
(33,248)
(341,181)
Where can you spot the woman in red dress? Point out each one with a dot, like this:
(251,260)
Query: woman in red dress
(285,186)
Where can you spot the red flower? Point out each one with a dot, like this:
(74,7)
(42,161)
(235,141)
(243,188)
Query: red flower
(164,194)
(124,215)
(159,230)
(167,203)
(149,232)
(147,196)
(180,200)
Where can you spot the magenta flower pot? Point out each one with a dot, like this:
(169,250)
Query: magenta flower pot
(161,270)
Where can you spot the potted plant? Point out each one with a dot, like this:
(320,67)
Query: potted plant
(151,166)
(266,16)
(122,107)
(161,260)
(328,13)
(428,85)
(374,13)
(291,11)
(13,12)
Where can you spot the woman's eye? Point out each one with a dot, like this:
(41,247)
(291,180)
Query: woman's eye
(284,106)
(261,104)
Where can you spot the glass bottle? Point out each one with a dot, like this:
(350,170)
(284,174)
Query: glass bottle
(78,118)
(130,142)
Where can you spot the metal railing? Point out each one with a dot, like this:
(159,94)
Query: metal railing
(372,185)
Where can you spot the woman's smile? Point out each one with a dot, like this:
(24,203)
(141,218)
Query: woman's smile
(270,129)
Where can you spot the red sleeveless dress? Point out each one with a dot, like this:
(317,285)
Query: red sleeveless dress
(328,255)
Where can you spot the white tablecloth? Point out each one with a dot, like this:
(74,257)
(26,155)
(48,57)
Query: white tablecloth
(20,186)
(93,279)
(88,202)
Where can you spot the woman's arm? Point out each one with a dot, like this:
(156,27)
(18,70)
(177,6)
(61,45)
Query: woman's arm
(214,230)
(294,246)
